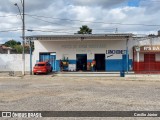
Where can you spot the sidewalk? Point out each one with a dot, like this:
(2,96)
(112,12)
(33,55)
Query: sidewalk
(96,75)
(10,74)
(151,77)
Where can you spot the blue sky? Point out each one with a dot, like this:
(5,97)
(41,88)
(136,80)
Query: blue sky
(50,17)
(134,3)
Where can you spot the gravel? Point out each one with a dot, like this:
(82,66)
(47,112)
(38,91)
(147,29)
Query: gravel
(46,93)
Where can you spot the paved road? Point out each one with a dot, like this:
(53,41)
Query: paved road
(46,93)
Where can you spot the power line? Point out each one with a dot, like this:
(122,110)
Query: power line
(109,29)
(64,19)
(10,30)
(98,22)
(61,24)
(8,15)
(49,30)
(46,30)
(44,20)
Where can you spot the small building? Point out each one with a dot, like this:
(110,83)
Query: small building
(146,54)
(5,50)
(108,50)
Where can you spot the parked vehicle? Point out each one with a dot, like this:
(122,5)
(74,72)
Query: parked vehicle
(42,67)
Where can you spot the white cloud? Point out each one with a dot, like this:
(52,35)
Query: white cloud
(103,3)
(106,11)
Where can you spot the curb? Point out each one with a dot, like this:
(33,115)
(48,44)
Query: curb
(10,77)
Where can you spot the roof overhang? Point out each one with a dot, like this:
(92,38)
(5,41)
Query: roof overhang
(80,37)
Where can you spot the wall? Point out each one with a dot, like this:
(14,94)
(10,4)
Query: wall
(71,48)
(13,62)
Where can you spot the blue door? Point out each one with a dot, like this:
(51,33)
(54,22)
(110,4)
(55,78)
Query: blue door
(44,57)
(53,61)
(50,57)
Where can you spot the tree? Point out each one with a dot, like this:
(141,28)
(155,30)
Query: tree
(17,47)
(11,43)
(85,30)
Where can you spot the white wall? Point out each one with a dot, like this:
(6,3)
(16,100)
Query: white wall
(71,48)
(13,62)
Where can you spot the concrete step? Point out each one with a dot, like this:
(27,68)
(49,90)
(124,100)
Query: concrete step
(85,74)
(106,74)
(145,76)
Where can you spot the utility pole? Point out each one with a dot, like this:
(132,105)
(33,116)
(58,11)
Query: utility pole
(127,55)
(30,46)
(22,15)
(23,42)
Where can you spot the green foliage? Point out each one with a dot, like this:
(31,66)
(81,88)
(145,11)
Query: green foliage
(11,43)
(85,30)
(18,43)
(18,48)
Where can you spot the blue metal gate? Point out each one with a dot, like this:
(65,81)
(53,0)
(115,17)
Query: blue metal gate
(50,57)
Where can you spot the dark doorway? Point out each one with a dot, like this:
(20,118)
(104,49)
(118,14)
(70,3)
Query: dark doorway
(100,62)
(81,62)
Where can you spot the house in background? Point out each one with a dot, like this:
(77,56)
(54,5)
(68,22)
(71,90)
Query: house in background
(5,50)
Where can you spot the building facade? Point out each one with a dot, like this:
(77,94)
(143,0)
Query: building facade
(110,51)
(146,56)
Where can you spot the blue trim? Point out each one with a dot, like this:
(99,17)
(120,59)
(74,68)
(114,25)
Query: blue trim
(89,61)
(58,67)
(117,64)
(110,64)
(113,65)
(72,61)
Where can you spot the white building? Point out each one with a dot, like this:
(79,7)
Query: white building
(109,50)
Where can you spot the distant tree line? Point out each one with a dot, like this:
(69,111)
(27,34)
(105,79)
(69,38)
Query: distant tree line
(17,46)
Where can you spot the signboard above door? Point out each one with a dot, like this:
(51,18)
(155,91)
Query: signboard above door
(149,48)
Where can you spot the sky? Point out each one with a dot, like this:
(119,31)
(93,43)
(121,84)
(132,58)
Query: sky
(56,17)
